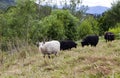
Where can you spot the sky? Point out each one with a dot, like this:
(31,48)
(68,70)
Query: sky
(106,3)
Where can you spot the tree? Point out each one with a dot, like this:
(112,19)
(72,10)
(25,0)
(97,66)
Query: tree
(88,26)
(110,18)
(75,7)
(69,21)
(54,28)
(43,11)
(17,22)
(62,26)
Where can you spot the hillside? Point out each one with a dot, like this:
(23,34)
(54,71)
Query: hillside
(88,62)
(4,4)
(96,10)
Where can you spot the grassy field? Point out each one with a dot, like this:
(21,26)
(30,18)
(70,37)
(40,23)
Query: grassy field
(102,61)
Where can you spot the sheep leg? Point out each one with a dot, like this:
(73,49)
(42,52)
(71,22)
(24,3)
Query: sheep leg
(49,56)
(44,56)
(55,53)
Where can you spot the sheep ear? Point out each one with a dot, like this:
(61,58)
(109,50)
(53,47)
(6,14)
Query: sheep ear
(43,41)
(37,43)
(50,39)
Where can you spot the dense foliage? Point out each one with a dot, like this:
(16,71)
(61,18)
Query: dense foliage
(116,30)
(110,18)
(88,26)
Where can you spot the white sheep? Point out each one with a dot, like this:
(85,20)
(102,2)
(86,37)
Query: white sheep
(50,47)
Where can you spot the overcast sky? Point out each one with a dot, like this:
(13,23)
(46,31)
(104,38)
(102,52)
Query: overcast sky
(106,3)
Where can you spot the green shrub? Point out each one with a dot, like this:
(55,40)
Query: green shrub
(61,24)
(84,29)
(88,26)
(116,30)
(53,28)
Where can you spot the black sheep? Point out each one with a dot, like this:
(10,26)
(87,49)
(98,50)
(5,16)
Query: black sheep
(109,36)
(90,40)
(67,44)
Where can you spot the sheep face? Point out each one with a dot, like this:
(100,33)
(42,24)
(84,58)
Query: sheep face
(41,44)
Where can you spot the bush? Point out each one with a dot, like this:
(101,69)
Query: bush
(53,28)
(88,26)
(116,30)
(84,29)
(61,24)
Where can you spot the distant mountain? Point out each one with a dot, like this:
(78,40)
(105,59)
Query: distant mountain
(96,10)
(4,4)
(8,1)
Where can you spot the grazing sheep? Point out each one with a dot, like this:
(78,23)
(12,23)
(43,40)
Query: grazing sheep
(50,47)
(67,44)
(90,40)
(109,36)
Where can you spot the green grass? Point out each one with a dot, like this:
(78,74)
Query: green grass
(102,61)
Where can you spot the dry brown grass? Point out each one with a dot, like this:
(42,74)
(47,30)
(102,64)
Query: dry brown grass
(88,62)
